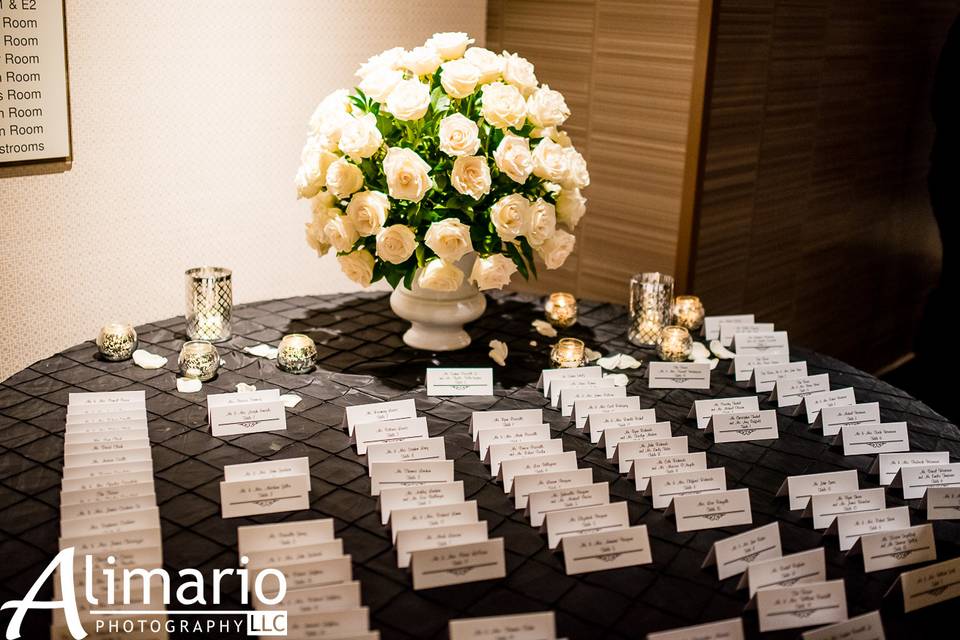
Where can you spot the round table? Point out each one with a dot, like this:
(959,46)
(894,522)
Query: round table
(363,359)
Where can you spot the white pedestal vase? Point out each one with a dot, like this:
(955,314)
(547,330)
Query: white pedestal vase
(437,317)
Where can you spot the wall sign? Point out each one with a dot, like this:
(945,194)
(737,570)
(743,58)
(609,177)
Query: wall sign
(34,113)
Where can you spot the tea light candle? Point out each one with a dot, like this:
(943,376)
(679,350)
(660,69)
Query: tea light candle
(297,353)
(567,353)
(675,344)
(116,341)
(688,312)
(561,309)
(199,359)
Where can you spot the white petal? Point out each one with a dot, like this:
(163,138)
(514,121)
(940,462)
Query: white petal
(189,385)
(544,328)
(699,352)
(610,362)
(591,354)
(628,362)
(262,351)
(619,379)
(498,352)
(146,360)
(290,400)
(245,388)
(720,351)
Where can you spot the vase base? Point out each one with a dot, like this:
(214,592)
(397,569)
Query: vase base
(435,337)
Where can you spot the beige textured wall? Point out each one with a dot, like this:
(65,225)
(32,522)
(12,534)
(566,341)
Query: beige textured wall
(188,118)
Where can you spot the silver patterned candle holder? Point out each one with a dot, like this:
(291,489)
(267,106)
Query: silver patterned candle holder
(651,295)
(688,312)
(209,303)
(116,341)
(199,359)
(675,344)
(297,353)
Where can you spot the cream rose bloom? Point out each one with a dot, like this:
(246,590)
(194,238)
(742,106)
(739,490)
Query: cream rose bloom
(334,105)
(492,272)
(380,82)
(557,249)
(358,266)
(409,100)
(390,59)
(459,135)
(396,243)
(577,176)
(449,239)
(449,44)
(316,238)
(542,223)
(439,275)
(510,215)
(471,176)
(570,207)
(314,161)
(513,158)
(367,211)
(547,108)
(489,64)
(459,78)
(550,161)
(360,138)
(408,176)
(343,178)
(422,61)
(519,72)
(340,233)
(503,106)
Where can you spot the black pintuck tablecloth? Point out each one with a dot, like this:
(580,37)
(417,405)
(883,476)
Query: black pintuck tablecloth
(362,359)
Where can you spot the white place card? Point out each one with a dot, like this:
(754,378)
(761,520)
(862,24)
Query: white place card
(643,469)
(420,496)
(702,410)
(627,547)
(386,475)
(803,605)
(752,343)
(629,450)
(612,436)
(389,432)
(107,508)
(523,626)
(457,564)
(732,554)
(849,527)
(825,507)
(104,470)
(942,503)
(509,469)
(99,483)
(347,624)
(929,585)
(282,535)
(264,495)
(869,626)
(558,387)
(896,548)
(549,376)
(788,392)
(116,456)
(816,402)
(108,495)
(93,422)
(460,381)
(108,400)
(678,375)
(685,483)
(887,464)
(432,516)
(513,435)
(524,485)
(313,574)
(711,510)
(596,424)
(540,503)
(266,469)
(480,420)
(570,395)
(137,435)
(865,439)
(741,427)
(729,330)
(232,414)
(377,412)
(584,408)
(113,523)
(742,366)
(712,324)
(335,597)
(916,479)
(497,453)
(731,629)
(785,571)
(425,449)
(830,419)
(601,518)
(115,446)
(800,488)
(765,377)
(295,555)
(410,540)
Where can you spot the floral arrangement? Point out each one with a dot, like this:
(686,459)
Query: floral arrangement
(440,151)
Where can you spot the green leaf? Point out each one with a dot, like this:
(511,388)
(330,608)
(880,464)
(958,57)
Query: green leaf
(514,254)
(420,256)
(408,278)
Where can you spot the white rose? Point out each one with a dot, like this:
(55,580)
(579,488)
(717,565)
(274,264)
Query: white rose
(409,100)
(316,238)
(493,272)
(471,176)
(389,59)
(543,222)
(367,211)
(577,176)
(557,249)
(340,233)
(438,275)
(422,61)
(510,215)
(503,106)
(570,207)
(449,45)
(322,201)
(550,161)
(547,108)
(358,266)
(361,138)
(513,157)
(380,82)
(314,161)
(487,62)
(408,176)
(459,78)
(519,72)
(335,105)
(449,239)
(459,136)
(396,243)
(343,178)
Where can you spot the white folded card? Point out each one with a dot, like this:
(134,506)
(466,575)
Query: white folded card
(825,507)
(540,503)
(121,456)
(712,324)
(643,469)
(730,329)
(232,414)
(788,392)
(416,473)
(480,420)
(731,629)
(916,479)
(266,469)
(377,412)
(423,449)
(79,412)
(785,571)
(816,402)
(549,376)
(605,517)
(107,496)
(678,375)
(422,496)
(513,435)
(929,585)
(733,553)
(91,422)
(107,508)
(627,547)
(742,366)
(941,503)
(685,483)
(116,542)
(740,427)
(869,626)
(612,436)
(136,435)
(584,408)
(887,464)
(570,395)
(432,516)
(752,343)
(98,483)
(596,424)
(830,419)
(313,574)
(803,605)
(457,564)
(312,600)
(523,626)
(703,409)
(112,523)
(129,445)
(559,386)
(283,535)
(629,450)
(460,381)
(108,399)
(498,453)
(346,624)
(711,510)
(389,431)
(896,548)
(849,527)
(864,439)
(295,555)
(509,469)
(410,540)
(765,376)
(800,488)
(104,470)
(264,495)
(524,485)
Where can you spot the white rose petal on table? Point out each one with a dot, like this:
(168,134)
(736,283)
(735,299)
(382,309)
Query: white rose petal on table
(146,360)
(498,352)
(290,400)
(262,351)
(189,385)
(544,328)
(721,351)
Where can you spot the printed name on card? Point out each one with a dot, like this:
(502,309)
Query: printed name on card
(678,375)
(432,516)
(896,548)
(742,366)
(607,391)
(612,436)
(524,626)
(765,377)
(111,400)
(741,427)
(584,408)
(850,526)
(825,507)
(645,468)
(595,425)
(498,453)
(408,451)
(751,343)
(685,483)
(549,376)
(869,626)
(512,435)
(263,537)
(712,324)
(800,488)
(627,547)
(605,517)
(731,629)
(929,585)
(509,469)
(916,479)
(830,419)
(480,420)
(729,330)
(804,605)
(264,495)
(540,503)
(389,432)
(629,450)
(711,510)
(410,540)
(377,412)
(460,381)
(458,564)
(703,409)
(419,496)
(524,485)
(887,464)
(941,503)
(732,554)
(785,571)
(409,474)
(348,623)
(865,439)
(295,555)
(789,392)
(334,597)
(231,414)
(560,387)
(814,403)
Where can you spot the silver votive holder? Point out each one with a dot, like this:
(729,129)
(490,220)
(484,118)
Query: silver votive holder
(116,341)
(199,359)
(297,353)
(560,309)
(651,298)
(675,344)
(688,312)
(209,303)
(568,353)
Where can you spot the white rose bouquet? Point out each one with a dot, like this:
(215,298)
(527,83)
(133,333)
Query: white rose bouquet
(440,151)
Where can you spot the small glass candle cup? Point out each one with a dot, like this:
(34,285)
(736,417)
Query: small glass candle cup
(297,353)
(675,344)
(116,341)
(209,303)
(568,353)
(688,312)
(651,298)
(561,309)
(199,359)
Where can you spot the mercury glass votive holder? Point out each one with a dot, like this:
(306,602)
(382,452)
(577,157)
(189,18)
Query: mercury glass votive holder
(209,303)
(199,359)
(675,344)
(561,309)
(297,353)
(688,312)
(651,298)
(568,353)
(116,341)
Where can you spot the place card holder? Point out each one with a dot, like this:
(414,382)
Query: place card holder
(927,586)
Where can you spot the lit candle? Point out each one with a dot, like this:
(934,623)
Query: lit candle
(297,353)
(675,344)
(561,309)
(567,353)
(688,312)
(199,359)
(116,341)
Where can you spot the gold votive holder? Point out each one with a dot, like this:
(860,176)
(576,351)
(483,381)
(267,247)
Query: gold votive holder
(651,299)
(199,359)
(568,353)
(209,303)
(688,312)
(561,309)
(675,344)
(116,341)
(297,353)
